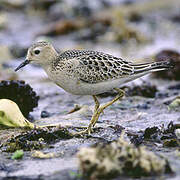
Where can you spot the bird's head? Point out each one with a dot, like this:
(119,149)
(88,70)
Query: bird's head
(40,53)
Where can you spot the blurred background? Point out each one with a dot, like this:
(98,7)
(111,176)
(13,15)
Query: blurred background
(136,30)
(132,29)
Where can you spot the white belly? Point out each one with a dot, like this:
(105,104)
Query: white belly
(74,86)
(81,88)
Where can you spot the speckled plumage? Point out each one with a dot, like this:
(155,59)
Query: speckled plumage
(95,67)
(85,72)
(92,66)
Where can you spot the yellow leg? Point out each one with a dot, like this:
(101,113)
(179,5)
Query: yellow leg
(99,109)
(97,104)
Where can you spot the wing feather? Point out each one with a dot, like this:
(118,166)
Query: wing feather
(99,67)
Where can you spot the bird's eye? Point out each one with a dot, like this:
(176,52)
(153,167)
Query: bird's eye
(36,52)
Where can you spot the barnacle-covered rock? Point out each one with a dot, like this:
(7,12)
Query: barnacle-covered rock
(168,136)
(173,57)
(120,158)
(22,94)
(36,139)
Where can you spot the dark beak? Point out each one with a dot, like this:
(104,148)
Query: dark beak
(22,65)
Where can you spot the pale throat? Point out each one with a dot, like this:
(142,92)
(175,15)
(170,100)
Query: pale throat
(47,63)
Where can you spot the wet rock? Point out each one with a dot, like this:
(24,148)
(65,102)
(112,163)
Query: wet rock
(172,56)
(45,114)
(17,51)
(95,27)
(170,143)
(106,161)
(82,9)
(59,11)
(164,136)
(95,24)
(174,87)
(91,33)
(151,132)
(135,17)
(171,127)
(62,27)
(22,94)
(143,106)
(78,8)
(162,94)
(137,140)
(35,139)
(15,144)
(145,90)
(118,129)
(101,19)
(176,18)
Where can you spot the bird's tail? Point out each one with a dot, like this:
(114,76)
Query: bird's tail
(152,67)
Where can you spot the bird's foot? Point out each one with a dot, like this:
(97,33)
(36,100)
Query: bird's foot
(99,110)
(88,131)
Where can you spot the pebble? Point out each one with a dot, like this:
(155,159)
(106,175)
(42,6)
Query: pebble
(45,114)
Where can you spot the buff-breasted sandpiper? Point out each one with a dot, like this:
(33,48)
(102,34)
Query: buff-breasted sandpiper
(85,72)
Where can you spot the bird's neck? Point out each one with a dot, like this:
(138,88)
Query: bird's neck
(48,62)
